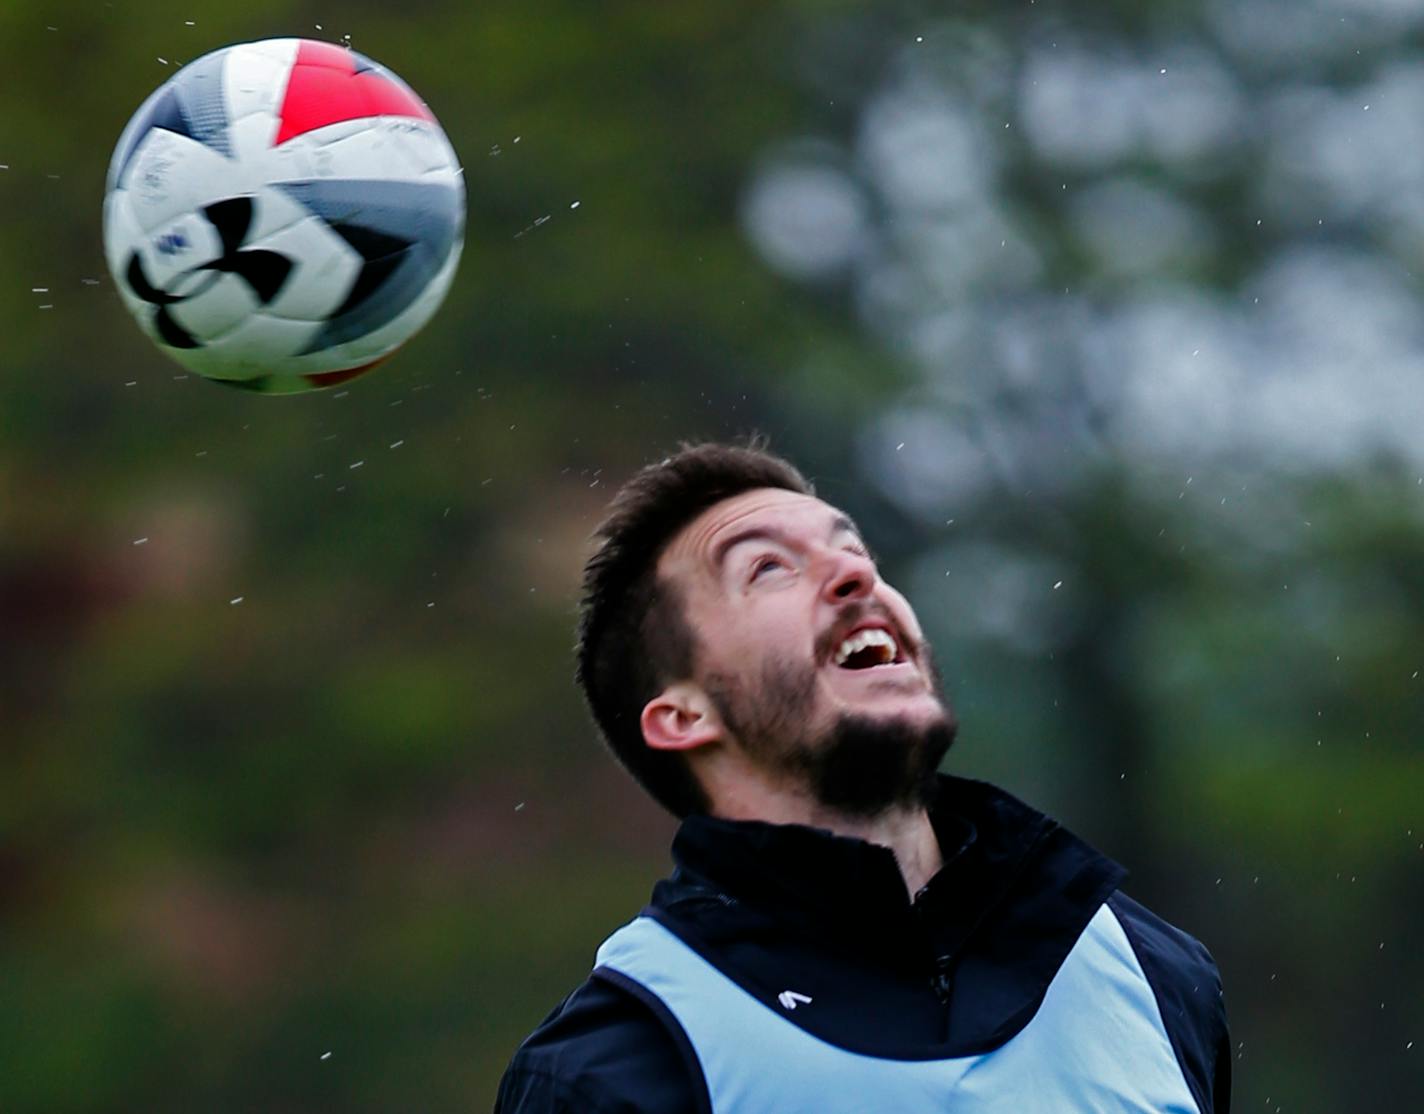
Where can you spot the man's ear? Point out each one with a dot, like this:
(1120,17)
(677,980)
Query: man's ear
(681,717)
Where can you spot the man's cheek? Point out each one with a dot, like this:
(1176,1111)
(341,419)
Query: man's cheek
(902,611)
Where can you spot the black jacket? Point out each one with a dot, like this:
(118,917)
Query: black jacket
(955,972)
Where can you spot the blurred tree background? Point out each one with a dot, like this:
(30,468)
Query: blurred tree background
(1105,322)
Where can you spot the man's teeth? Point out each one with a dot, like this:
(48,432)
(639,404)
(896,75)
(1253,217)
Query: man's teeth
(862,640)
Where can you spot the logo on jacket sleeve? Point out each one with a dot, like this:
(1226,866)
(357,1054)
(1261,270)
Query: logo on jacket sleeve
(789,999)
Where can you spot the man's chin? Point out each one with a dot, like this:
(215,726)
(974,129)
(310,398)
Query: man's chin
(903,678)
(888,704)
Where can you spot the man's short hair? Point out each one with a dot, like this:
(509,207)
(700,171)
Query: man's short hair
(634,638)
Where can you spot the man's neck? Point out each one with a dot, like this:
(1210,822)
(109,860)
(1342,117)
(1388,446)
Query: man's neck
(907,832)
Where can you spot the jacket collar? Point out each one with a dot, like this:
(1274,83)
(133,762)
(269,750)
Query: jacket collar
(850,891)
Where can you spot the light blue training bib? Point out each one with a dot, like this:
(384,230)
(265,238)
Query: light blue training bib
(1097,1044)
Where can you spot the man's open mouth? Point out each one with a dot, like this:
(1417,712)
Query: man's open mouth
(867,648)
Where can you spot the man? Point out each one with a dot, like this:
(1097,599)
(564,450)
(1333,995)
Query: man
(845,930)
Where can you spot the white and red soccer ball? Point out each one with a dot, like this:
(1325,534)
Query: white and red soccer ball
(282,215)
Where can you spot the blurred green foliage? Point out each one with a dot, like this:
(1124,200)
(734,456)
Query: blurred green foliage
(292,760)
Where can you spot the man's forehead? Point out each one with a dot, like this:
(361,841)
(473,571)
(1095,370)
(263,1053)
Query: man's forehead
(769,507)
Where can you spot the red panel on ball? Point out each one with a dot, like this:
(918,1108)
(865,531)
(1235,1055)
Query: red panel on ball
(324,88)
(332,378)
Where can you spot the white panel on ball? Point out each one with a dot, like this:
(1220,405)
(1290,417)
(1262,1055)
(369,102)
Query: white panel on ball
(218,306)
(255,79)
(273,210)
(327,269)
(255,347)
(172,175)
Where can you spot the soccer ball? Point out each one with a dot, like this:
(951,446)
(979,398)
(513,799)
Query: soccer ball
(282,215)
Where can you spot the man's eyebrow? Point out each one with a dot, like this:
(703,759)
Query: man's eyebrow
(751,533)
(841,524)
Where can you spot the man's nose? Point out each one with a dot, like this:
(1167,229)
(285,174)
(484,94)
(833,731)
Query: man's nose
(851,576)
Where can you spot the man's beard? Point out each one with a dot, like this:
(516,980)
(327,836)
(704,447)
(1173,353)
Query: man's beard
(860,766)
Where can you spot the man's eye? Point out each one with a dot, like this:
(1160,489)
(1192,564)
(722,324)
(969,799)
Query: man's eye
(763,564)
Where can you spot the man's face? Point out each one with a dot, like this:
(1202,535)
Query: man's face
(818,668)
